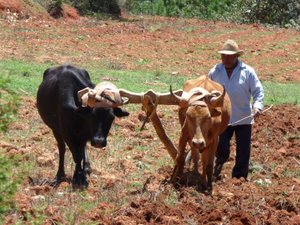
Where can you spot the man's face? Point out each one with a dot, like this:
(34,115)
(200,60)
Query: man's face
(229,61)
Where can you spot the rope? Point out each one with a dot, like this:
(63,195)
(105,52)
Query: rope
(250,116)
(107,97)
(195,99)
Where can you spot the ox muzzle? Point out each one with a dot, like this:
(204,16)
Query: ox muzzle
(198,144)
(98,142)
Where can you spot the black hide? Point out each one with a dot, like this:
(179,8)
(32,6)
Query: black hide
(72,124)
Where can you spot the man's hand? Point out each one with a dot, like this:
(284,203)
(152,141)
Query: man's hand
(256,112)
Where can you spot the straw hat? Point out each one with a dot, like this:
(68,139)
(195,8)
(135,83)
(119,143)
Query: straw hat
(230,47)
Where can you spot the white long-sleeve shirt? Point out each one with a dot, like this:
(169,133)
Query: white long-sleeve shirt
(242,84)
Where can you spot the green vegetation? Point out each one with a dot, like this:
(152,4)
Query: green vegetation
(101,6)
(9,182)
(279,93)
(55,9)
(182,8)
(8,103)
(280,12)
(283,12)
(25,78)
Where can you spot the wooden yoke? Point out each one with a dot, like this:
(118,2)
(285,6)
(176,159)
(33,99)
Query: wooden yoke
(150,108)
(106,94)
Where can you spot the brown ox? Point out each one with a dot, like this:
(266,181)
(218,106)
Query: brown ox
(204,113)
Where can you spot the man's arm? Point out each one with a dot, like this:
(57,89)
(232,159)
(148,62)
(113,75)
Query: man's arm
(257,93)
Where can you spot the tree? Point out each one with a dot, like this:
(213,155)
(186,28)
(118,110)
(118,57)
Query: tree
(97,6)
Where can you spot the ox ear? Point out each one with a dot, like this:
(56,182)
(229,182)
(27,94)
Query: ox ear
(214,112)
(118,112)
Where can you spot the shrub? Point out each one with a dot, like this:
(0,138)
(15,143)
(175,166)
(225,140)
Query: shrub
(278,12)
(8,184)
(183,8)
(55,9)
(86,7)
(8,103)
(8,181)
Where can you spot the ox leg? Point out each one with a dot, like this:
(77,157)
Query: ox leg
(208,166)
(180,158)
(79,177)
(86,163)
(189,157)
(179,166)
(60,175)
(195,158)
(181,116)
(209,172)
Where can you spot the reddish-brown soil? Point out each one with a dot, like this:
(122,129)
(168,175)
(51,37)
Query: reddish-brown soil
(13,5)
(186,47)
(22,10)
(128,184)
(271,196)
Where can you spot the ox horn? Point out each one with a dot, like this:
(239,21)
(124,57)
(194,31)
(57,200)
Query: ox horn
(182,101)
(216,98)
(178,98)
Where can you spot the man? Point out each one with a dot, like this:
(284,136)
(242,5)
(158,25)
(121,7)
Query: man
(241,83)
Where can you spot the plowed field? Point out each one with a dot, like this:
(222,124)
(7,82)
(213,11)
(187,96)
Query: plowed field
(128,184)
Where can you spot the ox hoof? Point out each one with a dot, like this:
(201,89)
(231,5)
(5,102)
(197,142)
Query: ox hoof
(88,169)
(58,180)
(208,191)
(177,174)
(174,179)
(79,181)
(55,183)
(216,178)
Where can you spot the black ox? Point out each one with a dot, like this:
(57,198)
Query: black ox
(72,124)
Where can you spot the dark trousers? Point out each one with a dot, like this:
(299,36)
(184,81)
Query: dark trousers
(243,147)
